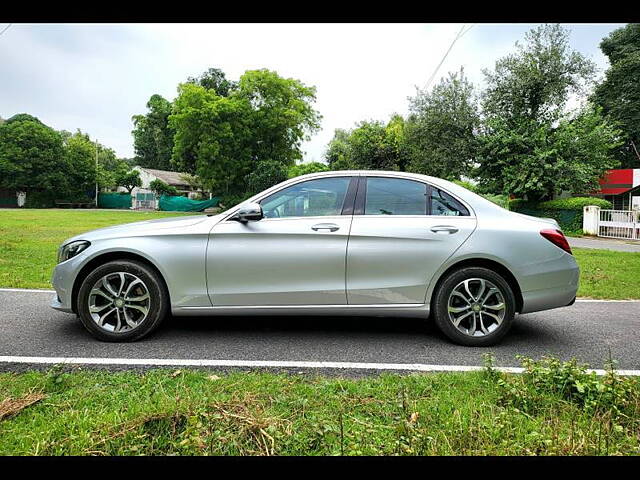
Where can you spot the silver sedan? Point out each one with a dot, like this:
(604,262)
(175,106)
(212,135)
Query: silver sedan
(367,243)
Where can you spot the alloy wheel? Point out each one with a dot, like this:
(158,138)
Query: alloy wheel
(119,302)
(476,307)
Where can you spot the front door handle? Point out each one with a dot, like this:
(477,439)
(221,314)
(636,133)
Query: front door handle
(332,227)
(444,229)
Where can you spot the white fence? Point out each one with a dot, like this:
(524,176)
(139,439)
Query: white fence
(623,224)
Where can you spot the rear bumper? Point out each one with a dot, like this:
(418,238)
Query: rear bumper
(561,290)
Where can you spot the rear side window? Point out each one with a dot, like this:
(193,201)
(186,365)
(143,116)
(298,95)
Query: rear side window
(395,196)
(444,204)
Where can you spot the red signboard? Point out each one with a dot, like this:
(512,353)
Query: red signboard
(619,181)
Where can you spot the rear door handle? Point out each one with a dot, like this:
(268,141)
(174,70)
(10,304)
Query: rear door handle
(444,229)
(332,227)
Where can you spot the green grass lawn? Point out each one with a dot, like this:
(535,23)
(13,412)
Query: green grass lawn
(198,412)
(29,240)
(608,274)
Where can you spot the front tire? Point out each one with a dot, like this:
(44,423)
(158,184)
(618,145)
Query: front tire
(122,301)
(474,306)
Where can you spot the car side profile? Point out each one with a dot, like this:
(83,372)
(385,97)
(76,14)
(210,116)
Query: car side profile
(367,243)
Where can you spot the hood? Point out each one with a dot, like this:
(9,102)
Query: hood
(141,228)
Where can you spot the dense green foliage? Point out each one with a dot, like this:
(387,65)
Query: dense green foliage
(372,145)
(152,135)
(619,93)
(575,203)
(440,132)
(528,144)
(224,139)
(568,212)
(306,168)
(31,156)
(554,408)
(162,188)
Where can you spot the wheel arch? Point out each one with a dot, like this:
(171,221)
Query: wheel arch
(490,264)
(108,257)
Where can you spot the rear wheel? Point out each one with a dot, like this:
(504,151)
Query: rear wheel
(474,306)
(122,301)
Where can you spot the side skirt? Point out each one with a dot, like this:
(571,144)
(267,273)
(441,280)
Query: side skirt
(415,310)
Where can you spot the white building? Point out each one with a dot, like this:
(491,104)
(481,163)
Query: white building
(143,197)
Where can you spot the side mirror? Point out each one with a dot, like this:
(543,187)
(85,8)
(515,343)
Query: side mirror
(250,212)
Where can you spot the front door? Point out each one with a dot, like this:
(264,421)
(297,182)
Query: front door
(295,255)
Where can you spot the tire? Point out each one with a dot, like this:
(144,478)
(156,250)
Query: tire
(128,315)
(481,324)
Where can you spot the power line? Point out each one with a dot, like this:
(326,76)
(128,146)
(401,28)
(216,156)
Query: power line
(6,28)
(458,36)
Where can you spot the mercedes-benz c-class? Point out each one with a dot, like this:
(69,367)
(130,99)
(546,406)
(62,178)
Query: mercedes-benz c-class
(366,243)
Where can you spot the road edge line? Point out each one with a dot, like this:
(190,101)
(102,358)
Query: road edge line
(173,362)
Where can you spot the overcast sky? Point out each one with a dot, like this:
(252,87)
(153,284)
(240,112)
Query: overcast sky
(95,77)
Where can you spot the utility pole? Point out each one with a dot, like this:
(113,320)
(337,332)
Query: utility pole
(96,173)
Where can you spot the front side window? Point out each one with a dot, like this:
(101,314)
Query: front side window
(313,198)
(444,204)
(395,196)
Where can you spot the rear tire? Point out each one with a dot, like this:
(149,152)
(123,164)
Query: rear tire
(122,301)
(474,306)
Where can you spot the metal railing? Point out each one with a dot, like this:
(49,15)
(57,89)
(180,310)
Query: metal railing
(624,224)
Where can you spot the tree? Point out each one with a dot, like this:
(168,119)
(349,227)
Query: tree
(306,168)
(216,80)
(152,135)
(30,156)
(535,82)
(372,145)
(338,154)
(528,144)
(80,156)
(223,139)
(441,130)
(162,188)
(129,180)
(266,174)
(619,92)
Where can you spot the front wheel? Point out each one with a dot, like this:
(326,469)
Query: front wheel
(122,301)
(474,306)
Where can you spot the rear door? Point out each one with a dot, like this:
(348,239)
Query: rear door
(402,231)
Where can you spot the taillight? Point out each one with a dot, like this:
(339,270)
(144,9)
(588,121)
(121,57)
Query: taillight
(557,238)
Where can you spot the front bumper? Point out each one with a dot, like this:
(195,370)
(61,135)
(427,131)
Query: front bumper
(63,278)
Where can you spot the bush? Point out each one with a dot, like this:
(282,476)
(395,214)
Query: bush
(501,200)
(467,185)
(548,380)
(574,203)
(40,199)
(162,188)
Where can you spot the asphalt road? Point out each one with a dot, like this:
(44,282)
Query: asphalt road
(588,331)
(605,244)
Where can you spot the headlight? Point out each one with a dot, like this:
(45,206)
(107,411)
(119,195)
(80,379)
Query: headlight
(70,250)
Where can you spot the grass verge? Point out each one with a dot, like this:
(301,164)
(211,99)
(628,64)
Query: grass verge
(29,239)
(553,409)
(608,274)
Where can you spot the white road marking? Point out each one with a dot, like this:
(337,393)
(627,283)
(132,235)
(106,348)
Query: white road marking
(31,290)
(173,362)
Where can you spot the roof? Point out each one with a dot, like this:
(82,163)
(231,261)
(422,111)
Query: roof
(171,178)
(615,182)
